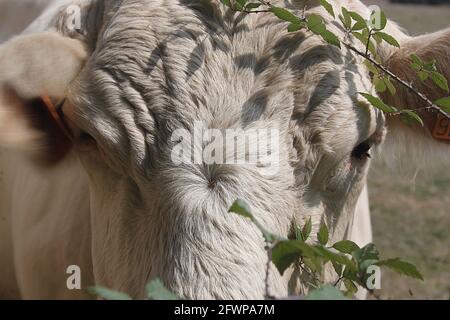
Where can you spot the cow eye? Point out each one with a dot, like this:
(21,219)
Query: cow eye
(362,151)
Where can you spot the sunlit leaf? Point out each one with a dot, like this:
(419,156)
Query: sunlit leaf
(402,267)
(377,103)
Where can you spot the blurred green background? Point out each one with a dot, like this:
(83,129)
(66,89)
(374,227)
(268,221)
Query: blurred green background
(411,213)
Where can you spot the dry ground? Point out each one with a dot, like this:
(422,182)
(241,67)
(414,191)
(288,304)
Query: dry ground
(411,216)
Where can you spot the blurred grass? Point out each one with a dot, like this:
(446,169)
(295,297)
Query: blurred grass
(411,215)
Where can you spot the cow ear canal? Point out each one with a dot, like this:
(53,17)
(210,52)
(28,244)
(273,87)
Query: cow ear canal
(362,151)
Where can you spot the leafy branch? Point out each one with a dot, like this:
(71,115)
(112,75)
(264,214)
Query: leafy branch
(369,33)
(354,266)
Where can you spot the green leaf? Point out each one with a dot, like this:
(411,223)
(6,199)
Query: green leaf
(108,294)
(380,85)
(156,290)
(402,267)
(411,116)
(306,231)
(326,292)
(285,15)
(377,103)
(389,85)
(389,39)
(416,66)
(322,235)
(338,268)
(444,103)
(423,75)
(378,39)
(371,67)
(284,253)
(296,26)
(346,19)
(416,59)
(251,6)
(315,24)
(327,6)
(241,208)
(365,257)
(360,23)
(333,257)
(440,80)
(331,38)
(430,66)
(346,246)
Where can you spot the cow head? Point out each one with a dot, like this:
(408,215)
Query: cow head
(150,71)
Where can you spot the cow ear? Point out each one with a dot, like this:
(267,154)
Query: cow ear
(35,72)
(434,138)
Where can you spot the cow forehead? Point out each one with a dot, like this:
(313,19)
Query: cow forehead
(183,63)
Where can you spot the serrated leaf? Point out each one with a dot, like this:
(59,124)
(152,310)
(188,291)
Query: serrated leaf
(389,39)
(327,6)
(440,80)
(402,267)
(326,292)
(444,103)
(377,103)
(322,235)
(241,208)
(306,231)
(284,253)
(108,294)
(285,15)
(346,246)
(156,290)
(412,115)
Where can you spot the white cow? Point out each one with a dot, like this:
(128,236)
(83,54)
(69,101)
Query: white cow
(108,197)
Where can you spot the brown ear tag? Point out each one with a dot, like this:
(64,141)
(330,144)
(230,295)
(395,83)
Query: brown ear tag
(441,129)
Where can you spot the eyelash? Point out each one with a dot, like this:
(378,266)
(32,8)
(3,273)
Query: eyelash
(362,151)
